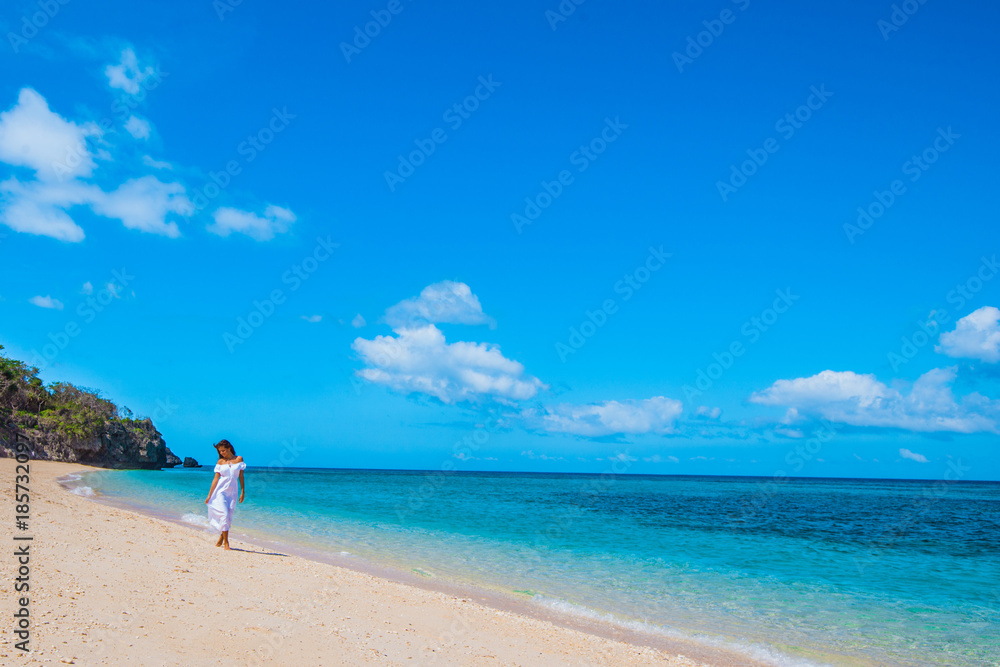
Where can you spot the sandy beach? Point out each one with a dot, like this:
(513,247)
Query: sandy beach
(110,586)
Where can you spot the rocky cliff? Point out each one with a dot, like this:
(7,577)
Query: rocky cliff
(134,445)
(61,422)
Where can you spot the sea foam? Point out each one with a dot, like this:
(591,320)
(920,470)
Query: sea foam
(757,652)
(196,520)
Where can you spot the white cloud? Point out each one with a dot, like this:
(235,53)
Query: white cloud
(913,456)
(144,203)
(358,321)
(46,302)
(156,164)
(544,457)
(791,416)
(823,388)
(33,136)
(261,228)
(313,319)
(652,415)
(138,127)
(861,400)
(128,74)
(976,336)
(443,302)
(419,359)
(88,288)
(462,456)
(57,151)
(656,458)
(39,207)
(708,413)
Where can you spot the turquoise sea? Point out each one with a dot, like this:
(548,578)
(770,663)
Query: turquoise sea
(808,571)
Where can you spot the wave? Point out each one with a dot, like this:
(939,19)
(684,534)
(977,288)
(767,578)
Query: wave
(85,491)
(196,520)
(757,652)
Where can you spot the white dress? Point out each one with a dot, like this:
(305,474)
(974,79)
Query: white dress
(223,500)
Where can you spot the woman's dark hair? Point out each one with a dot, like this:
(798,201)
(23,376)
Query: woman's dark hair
(225,443)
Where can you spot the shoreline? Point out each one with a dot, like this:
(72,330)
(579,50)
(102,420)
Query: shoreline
(416,621)
(706,650)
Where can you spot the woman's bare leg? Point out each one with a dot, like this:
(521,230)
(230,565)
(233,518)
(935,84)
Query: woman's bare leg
(225,540)
(219,543)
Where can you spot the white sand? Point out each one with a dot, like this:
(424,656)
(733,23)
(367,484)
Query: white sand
(114,587)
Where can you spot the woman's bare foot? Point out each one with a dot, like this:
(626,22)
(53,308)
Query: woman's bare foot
(226,547)
(219,543)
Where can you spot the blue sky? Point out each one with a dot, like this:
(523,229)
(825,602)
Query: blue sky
(514,236)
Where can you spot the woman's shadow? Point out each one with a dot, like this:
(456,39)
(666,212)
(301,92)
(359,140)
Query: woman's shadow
(259,553)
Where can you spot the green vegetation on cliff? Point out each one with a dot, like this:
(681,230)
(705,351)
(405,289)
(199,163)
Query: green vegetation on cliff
(68,423)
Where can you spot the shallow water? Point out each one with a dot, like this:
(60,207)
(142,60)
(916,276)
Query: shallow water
(869,571)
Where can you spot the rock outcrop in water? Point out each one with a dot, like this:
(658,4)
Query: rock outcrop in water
(62,422)
(191,463)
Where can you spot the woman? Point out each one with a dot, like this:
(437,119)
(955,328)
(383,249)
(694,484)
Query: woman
(221,499)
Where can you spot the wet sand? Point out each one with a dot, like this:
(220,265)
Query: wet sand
(111,586)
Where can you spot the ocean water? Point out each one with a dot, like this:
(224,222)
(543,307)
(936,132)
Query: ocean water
(809,571)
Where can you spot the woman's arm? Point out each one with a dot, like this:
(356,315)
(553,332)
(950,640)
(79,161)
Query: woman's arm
(215,480)
(242,486)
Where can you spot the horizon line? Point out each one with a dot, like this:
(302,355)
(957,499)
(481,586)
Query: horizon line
(593,474)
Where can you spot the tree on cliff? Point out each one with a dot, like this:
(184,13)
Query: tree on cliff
(21,390)
(68,423)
